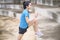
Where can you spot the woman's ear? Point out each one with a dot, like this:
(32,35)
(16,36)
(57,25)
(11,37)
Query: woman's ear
(26,6)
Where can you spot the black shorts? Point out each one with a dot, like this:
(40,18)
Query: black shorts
(22,31)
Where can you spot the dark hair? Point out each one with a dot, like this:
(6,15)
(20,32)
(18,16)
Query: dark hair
(26,3)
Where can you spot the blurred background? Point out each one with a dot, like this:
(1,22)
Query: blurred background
(49,22)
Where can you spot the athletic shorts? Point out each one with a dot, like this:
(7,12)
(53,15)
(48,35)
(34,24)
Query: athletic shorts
(22,31)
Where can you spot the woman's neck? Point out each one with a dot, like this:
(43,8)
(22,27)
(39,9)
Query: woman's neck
(27,9)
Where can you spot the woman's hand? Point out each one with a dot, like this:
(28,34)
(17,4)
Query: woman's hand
(36,15)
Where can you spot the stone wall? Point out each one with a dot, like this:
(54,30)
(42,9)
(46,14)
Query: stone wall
(8,28)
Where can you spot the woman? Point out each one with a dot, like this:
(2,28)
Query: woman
(25,22)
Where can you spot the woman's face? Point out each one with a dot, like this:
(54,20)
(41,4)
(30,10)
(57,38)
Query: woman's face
(29,7)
